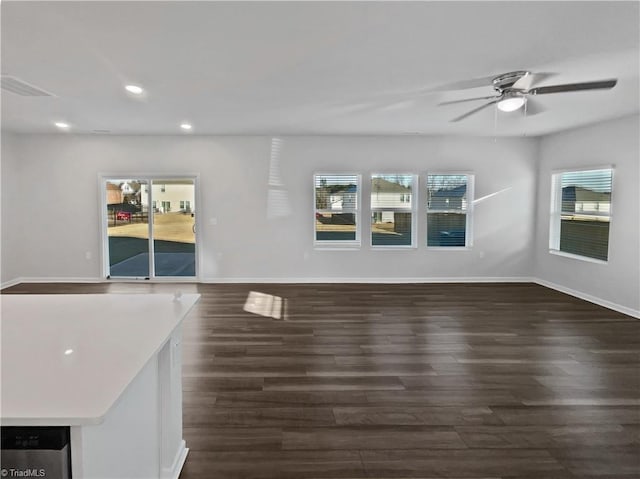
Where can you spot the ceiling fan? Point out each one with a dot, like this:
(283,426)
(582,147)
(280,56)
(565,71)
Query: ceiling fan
(514,90)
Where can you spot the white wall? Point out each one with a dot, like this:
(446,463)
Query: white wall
(59,203)
(616,283)
(10,230)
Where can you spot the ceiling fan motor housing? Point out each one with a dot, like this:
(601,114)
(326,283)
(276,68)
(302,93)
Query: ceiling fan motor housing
(507,80)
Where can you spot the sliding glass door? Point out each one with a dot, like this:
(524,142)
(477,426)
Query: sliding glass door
(127,227)
(150,227)
(174,238)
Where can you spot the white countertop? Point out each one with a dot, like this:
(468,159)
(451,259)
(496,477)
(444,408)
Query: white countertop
(66,359)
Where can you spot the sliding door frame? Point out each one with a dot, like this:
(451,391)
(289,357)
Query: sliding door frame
(104,233)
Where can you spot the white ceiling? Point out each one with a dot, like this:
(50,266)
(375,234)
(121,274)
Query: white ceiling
(311,67)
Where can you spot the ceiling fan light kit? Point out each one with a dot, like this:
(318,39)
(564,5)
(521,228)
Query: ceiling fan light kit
(511,101)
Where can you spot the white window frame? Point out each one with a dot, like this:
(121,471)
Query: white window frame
(415,182)
(468,237)
(556,213)
(339,244)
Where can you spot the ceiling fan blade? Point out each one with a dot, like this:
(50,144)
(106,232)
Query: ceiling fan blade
(528,81)
(471,112)
(533,107)
(468,99)
(465,84)
(593,85)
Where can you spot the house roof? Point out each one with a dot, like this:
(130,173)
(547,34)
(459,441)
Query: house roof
(380,185)
(578,193)
(458,191)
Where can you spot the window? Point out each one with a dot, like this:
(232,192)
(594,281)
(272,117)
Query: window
(182,204)
(337,199)
(581,213)
(449,210)
(392,210)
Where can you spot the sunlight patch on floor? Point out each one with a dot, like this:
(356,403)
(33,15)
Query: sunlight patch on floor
(266,305)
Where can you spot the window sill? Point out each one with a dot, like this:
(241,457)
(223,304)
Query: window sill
(392,247)
(449,248)
(577,256)
(336,247)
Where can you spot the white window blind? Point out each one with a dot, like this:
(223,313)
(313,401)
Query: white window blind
(448,210)
(392,210)
(581,213)
(337,199)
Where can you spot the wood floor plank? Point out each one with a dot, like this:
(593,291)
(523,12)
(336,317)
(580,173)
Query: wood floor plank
(566,415)
(359,383)
(269,464)
(263,417)
(411,416)
(370,438)
(443,397)
(460,463)
(593,461)
(354,381)
(546,436)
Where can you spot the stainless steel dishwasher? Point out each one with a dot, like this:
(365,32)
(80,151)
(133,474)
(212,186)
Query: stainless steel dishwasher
(42,452)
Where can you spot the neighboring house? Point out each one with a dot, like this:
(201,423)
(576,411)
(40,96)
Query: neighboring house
(449,199)
(344,199)
(576,199)
(387,194)
(170,197)
(114,194)
(391,196)
(128,189)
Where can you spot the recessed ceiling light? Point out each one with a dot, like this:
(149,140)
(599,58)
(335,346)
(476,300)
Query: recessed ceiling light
(68,352)
(62,124)
(185,126)
(135,89)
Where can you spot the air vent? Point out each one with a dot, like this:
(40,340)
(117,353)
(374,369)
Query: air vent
(21,87)
(103,132)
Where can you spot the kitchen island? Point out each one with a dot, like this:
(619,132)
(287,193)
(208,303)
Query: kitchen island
(106,365)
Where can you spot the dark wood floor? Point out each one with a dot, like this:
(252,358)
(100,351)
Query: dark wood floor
(412,381)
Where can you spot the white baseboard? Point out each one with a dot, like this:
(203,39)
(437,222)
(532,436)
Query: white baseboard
(49,279)
(587,297)
(11,282)
(178,462)
(298,280)
(386,280)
